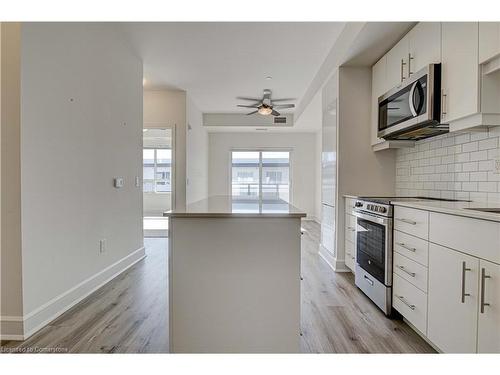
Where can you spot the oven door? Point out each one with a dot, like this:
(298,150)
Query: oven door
(374,246)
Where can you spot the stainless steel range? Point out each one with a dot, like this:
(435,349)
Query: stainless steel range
(373,242)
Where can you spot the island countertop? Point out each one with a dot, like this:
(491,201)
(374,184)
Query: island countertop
(226,206)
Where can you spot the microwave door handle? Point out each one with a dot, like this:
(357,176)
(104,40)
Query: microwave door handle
(410,99)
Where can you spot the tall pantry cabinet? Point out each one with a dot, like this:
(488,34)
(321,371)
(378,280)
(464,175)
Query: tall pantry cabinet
(349,166)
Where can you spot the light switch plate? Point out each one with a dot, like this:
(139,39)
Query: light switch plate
(118,182)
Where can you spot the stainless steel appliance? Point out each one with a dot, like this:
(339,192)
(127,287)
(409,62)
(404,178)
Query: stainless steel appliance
(373,244)
(413,111)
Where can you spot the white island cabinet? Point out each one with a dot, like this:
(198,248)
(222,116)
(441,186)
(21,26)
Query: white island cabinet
(234,277)
(449,289)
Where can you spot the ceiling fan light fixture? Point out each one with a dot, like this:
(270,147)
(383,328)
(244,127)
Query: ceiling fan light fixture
(265,110)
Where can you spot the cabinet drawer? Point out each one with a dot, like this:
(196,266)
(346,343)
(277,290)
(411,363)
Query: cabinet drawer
(411,302)
(480,238)
(350,233)
(411,247)
(350,222)
(349,205)
(411,271)
(350,256)
(412,221)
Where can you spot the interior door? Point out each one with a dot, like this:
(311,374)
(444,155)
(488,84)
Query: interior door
(452,300)
(489,308)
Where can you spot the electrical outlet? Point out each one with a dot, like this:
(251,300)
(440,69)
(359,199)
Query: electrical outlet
(496,168)
(102,246)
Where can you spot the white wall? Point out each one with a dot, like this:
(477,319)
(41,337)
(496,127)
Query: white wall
(167,108)
(196,154)
(303,157)
(81,113)
(11,304)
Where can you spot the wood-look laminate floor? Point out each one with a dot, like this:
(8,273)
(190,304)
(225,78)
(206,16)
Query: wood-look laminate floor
(129,314)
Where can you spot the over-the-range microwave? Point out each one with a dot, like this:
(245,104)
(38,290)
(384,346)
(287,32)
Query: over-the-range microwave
(412,111)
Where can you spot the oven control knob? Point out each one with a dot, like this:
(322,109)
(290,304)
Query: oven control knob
(358,204)
(383,209)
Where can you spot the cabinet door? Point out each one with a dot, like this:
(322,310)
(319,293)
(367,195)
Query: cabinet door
(460,69)
(489,40)
(397,63)
(452,300)
(378,88)
(489,308)
(425,46)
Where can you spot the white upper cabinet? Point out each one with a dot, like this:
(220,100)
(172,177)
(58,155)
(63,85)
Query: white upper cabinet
(397,63)
(460,70)
(424,46)
(489,40)
(488,340)
(379,87)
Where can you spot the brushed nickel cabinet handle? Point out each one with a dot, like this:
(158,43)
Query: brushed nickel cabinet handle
(407,221)
(443,104)
(464,270)
(484,276)
(403,245)
(368,280)
(402,299)
(412,274)
(410,57)
(402,69)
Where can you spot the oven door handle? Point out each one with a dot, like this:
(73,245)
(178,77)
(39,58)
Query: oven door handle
(372,218)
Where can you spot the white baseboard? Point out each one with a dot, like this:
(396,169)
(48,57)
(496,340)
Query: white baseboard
(336,265)
(43,315)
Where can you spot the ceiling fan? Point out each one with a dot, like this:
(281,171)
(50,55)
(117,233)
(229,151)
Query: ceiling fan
(266,106)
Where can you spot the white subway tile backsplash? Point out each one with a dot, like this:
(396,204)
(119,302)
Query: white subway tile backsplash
(478,155)
(469,147)
(488,144)
(490,187)
(478,176)
(470,167)
(459,166)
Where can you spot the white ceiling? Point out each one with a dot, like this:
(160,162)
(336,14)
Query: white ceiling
(215,62)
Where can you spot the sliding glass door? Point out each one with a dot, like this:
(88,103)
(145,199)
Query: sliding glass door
(260,176)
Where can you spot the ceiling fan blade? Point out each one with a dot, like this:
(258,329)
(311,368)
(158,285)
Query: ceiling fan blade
(247,106)
(275,113)
(283,106)
(284,100)
(251,113)
(251,99)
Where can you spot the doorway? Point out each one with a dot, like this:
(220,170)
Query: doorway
(157,180)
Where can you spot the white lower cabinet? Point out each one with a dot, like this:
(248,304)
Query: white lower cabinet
(453,300)
(488,339)
(411,302)
(454,276)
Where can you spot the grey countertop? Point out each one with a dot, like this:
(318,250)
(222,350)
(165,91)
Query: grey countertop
(226,206)
(455,208)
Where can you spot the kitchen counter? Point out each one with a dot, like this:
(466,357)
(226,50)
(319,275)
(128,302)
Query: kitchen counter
(234,277)
(454,208)
(226,206)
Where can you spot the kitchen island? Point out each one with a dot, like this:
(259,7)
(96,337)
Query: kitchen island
(234,277)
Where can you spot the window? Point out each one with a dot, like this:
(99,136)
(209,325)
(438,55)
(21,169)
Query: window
(157,169)
(260,175)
